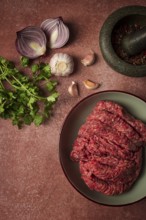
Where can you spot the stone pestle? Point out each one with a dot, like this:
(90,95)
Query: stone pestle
(134,43)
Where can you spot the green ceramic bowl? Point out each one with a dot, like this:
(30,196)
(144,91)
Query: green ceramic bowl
(128,15)
(72,123)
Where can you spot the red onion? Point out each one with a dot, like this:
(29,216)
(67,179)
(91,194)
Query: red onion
(56,31)
(31,42)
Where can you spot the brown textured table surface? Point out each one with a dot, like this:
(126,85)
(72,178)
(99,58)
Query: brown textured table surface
(32,183)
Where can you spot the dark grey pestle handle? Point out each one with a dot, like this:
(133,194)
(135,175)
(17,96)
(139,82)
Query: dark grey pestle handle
(135,42)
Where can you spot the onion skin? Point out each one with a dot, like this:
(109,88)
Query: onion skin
(56,31)
(31,42)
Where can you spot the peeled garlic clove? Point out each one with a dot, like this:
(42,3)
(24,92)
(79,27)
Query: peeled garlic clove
(90,84)
(73,89)
(61,64)
(89,59)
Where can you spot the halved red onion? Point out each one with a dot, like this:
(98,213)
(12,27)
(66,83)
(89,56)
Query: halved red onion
(56,31)
(31,42)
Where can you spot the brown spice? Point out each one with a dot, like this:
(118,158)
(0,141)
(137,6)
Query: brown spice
(117,37)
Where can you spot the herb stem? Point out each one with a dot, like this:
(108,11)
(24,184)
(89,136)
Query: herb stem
(2,72)
(23,87)
(21,100)
(2,86)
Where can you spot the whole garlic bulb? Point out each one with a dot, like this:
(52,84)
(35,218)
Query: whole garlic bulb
(61,64)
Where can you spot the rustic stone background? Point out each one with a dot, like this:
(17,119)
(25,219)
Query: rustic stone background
(32,183)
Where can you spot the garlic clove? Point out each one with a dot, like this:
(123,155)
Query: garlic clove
(89,59)
(73,89)
(90,84)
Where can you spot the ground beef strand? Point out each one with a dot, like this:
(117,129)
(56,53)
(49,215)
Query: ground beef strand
(108,149)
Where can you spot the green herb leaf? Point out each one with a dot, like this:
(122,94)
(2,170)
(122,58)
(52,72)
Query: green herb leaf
(38,119)
(53,97)
(28,119)
(1,109)
(34,68)
(21,98)
(51,85)
(24,61)
(32,100)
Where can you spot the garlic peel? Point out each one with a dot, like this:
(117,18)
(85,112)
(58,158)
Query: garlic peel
(73,89)
(90,84)
(61,64)
(89,59)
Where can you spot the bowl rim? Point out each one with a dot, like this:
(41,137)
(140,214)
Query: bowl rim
(106,47)
(60,159)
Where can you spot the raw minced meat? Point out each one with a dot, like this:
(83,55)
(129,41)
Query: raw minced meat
(109,148)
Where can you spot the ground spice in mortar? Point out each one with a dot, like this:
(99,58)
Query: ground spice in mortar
(117,36)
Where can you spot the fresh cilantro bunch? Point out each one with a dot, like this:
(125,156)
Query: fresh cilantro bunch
(22,98)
